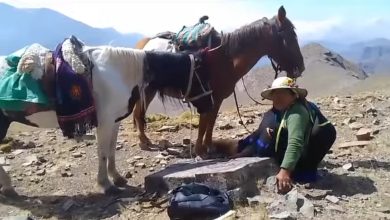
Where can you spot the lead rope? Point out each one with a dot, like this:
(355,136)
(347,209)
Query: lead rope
(238,112)
(191,114)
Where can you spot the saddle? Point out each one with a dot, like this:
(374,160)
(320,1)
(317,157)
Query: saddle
(192,37)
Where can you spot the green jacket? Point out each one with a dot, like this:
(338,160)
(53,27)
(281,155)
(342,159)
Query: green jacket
(293,133)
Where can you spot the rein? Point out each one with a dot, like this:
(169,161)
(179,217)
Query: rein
(186,98)
(277,70)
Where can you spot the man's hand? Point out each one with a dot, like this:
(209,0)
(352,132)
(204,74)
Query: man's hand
(283,181)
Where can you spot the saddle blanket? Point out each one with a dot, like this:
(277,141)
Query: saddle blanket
(19,74)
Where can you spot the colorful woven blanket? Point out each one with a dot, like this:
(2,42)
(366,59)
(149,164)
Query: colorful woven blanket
(75,105)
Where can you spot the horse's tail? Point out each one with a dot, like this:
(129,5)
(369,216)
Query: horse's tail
(225,146)
(141,43)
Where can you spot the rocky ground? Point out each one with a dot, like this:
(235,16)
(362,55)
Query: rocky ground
(57,177)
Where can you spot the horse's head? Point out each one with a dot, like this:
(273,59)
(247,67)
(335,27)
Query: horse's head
(284,45)
(198,91)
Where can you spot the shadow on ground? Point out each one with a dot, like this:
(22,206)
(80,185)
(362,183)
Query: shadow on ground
(90,206)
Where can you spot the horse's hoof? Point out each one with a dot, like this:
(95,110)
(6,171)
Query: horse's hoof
(11,193)
(112,191)
(120,182)
(144,146)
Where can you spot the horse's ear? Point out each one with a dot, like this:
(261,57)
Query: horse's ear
(281,14)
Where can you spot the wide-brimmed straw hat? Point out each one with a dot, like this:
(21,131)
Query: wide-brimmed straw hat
(284,83)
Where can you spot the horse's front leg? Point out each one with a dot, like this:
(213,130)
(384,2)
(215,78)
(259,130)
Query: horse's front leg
(5,184)
(112,171)
(210,125)
(104,136)
(199,150)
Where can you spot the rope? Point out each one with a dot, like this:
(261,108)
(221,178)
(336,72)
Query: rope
(256,102)
(238,112)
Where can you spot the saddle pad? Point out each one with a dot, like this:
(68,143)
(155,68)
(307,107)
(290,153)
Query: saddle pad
(194,36)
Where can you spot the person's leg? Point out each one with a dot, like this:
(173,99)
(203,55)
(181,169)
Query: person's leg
(321,141)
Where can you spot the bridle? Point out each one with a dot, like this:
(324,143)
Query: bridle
(186,97)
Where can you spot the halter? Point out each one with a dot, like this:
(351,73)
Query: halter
(277,68)
(186,98)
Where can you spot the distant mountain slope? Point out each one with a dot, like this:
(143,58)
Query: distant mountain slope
(21,27)
(326,72)
(373,55)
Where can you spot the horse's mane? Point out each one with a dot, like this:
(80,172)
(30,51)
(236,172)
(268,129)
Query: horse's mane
(248,35)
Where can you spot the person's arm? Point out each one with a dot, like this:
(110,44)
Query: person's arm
(297,124)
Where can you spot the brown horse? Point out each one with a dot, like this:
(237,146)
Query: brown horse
(239,52)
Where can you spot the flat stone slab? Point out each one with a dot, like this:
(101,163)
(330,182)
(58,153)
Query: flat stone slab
(219,174)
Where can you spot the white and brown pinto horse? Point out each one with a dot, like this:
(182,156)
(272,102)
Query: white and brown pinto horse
(118,78)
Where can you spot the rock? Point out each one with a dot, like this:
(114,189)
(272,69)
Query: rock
(376,122)
(271,183)
(128,174)
(151,169)
(363,134)
(17,217)
(30,145)
(354,143)
(348,167)
(35,180)
(7,168)
(41,159)
(336,100)
(77,154)
(119,146)
(160,156)
(236,195)
(256,200)
(219,174)
(141,165)
(163,162)
(230,215)
(335,208)
(307,209)
(2,161)
(371,110)
(293,202)
(41,172)
(317,194)
(137,157)
(174,151)
(31,159)
(6,148)
(168,128)
(332,199)
(360,115)
(226,126)
(66,174)
(356,125)
(281,215)
(17,152)
(249,121)
(348,121)
(164,144)
(186,141)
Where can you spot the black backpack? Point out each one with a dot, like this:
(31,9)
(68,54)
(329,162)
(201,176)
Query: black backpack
(198,201)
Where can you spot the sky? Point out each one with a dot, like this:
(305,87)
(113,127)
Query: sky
(331,20)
